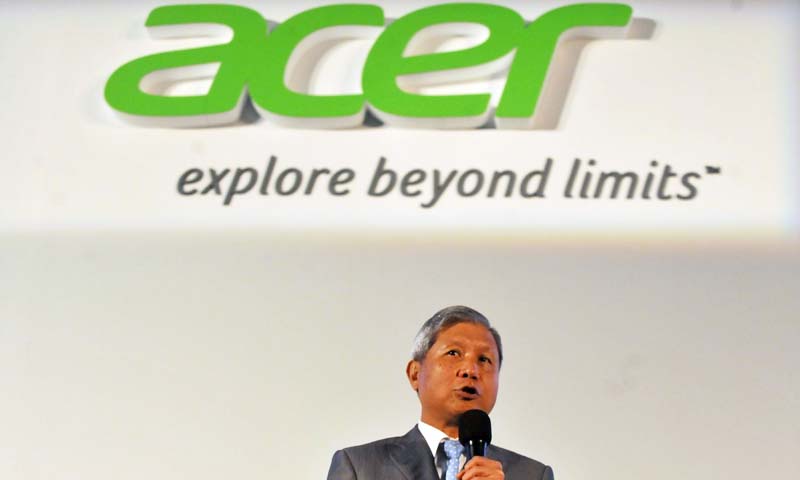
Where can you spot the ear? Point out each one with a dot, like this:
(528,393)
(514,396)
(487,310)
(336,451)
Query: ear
(412,372)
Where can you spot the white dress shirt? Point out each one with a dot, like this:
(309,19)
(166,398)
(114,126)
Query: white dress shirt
(433,437)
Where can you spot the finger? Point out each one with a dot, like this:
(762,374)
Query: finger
(483,462)
(480,473)
(482,469)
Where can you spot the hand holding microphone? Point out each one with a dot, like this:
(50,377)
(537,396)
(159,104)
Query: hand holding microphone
(475,433)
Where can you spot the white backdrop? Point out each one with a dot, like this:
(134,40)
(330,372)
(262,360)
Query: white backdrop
(148,335)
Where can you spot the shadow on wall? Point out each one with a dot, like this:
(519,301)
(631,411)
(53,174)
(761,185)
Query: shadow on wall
(562,72)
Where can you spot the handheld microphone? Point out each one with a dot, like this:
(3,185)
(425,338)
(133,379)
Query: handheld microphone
(474,432)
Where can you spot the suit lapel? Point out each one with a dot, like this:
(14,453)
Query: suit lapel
(492,453)
(413,457)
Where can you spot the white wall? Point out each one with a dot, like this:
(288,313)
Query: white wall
(210,356)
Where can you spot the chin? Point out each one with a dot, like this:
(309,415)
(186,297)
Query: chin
(466,407)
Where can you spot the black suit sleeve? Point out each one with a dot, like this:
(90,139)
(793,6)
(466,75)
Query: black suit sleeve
(548,473)
(341,467)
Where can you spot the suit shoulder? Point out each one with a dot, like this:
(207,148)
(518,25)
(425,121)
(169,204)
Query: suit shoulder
(370,448)
(367,461)
(514,463)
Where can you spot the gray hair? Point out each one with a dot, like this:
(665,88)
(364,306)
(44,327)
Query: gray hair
(447,317)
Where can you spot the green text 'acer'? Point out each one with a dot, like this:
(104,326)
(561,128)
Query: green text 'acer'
(257,62)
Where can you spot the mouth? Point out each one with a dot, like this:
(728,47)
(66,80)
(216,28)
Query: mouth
(467,393)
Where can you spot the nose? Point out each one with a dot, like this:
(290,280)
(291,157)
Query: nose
(468,369)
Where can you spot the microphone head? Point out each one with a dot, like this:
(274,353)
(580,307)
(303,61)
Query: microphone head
(474,425)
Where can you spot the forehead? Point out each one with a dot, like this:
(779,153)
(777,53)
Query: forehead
(467,333)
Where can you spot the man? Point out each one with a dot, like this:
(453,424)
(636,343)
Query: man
(455,367)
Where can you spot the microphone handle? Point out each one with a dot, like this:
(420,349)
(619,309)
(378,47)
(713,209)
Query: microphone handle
(475,448)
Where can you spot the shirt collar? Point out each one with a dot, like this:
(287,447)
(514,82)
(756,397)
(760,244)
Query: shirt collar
(432,435)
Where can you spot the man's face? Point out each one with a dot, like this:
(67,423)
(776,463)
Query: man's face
(460,372)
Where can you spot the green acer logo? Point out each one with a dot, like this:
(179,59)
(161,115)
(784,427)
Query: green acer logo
(256,62)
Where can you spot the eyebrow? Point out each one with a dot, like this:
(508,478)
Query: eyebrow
(484,347)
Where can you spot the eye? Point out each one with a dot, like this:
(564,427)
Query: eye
(452,352)
(484,359)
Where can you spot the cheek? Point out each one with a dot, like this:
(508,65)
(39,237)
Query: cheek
(493,387)
(433,378)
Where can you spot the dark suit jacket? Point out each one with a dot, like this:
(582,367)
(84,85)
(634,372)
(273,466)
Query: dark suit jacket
(409,458)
